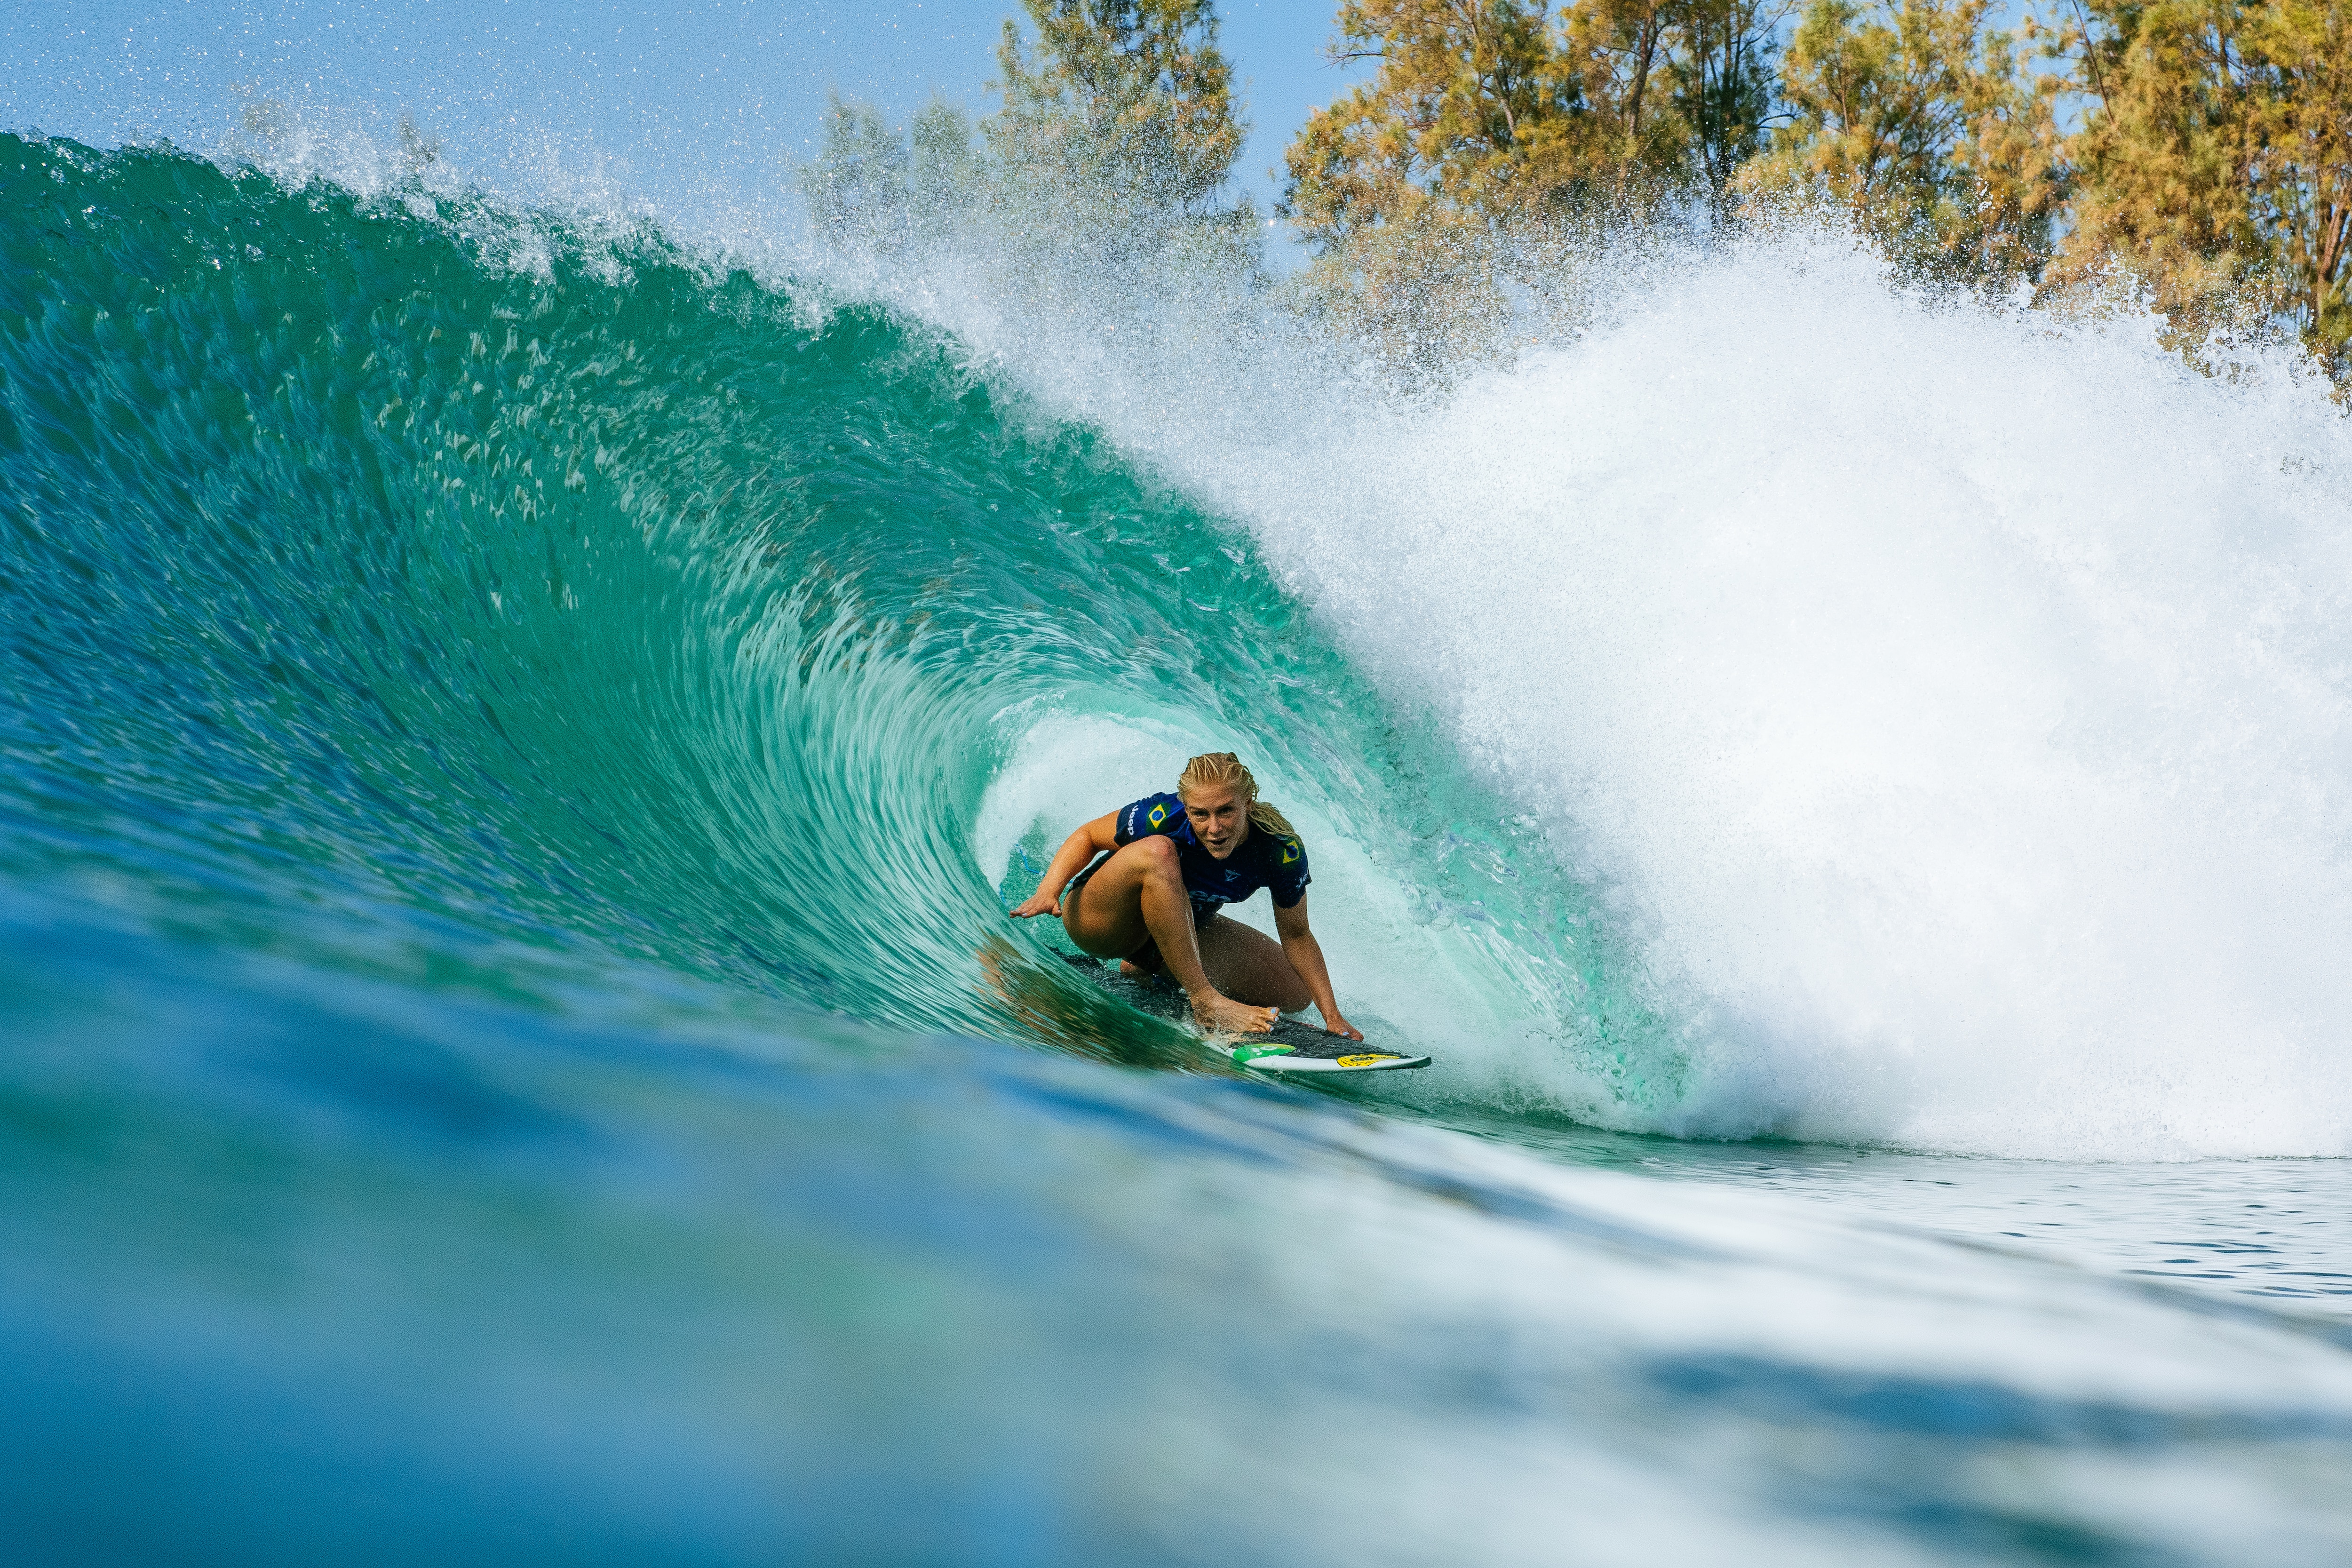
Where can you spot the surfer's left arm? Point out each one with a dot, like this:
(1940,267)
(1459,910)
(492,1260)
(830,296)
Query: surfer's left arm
(1305,955)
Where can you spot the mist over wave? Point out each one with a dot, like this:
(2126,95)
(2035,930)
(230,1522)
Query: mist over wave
(1940,705)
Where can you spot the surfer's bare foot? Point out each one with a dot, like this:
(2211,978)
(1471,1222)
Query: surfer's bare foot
(1223,1016)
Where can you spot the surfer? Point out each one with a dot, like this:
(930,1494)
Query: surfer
(1168,864)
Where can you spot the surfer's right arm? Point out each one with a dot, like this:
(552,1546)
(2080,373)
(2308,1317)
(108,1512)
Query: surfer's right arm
(1071,858)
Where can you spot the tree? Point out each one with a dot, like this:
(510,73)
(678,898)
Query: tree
(1490,112)
(879,186)
(1406,186)
(2162,153)
(1117,134)
(2300,168)
(1447,198)
(1722,75)
(1920,122)
(2214,162)
(1469,115)
(1126,97)
(1622,54)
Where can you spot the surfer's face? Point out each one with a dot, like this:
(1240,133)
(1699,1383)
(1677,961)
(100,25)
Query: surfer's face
(1220,819)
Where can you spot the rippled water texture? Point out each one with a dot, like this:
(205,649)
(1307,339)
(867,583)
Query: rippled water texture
(517,741)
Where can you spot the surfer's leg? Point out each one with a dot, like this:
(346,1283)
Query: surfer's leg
(1248,965)
(1139,892)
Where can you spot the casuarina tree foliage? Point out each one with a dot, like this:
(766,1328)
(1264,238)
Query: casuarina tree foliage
(1133,94)
(2215,160)
(2199,152)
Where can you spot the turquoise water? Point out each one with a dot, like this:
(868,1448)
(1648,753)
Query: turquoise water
(518,744)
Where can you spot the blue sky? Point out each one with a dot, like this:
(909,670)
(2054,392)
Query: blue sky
(663,96)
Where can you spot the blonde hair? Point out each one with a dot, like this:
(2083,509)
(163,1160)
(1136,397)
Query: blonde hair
(1216,770)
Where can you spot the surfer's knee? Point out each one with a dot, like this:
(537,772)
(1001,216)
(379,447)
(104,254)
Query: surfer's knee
(1158,855)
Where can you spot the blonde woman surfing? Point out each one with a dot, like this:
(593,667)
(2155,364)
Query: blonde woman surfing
(1168,864)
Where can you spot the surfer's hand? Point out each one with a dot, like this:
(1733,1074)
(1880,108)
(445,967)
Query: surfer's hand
(1040,902)
(1335,1025)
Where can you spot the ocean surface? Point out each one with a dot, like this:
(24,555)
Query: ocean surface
(520,734)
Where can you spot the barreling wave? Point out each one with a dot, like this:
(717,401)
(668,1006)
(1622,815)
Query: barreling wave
(531,627)
(500,603)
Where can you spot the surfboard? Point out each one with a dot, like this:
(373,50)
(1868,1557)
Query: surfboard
(1293,1045)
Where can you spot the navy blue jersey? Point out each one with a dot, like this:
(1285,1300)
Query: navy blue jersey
(1264,859)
